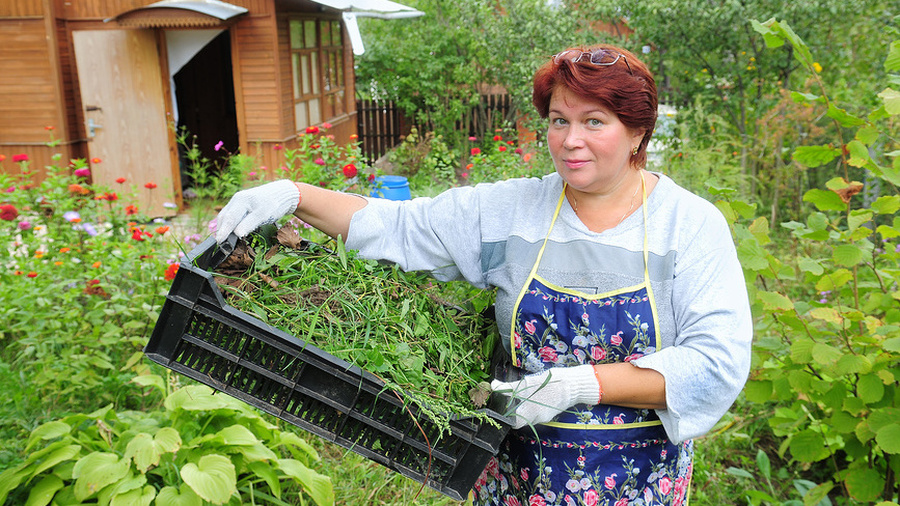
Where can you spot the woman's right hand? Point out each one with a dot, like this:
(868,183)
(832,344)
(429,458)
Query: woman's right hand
(250,209)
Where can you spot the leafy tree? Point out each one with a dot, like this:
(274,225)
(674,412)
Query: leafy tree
(434,67)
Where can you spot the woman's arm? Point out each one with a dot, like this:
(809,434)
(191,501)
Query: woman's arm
(623,384)
(327,210)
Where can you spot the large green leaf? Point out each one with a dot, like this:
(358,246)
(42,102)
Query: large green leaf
(870,388)
(318,486)
(891,98)
(146,449)
(847,255)
(49,430)
(43,491)
(135,497)
(171,496)
(825,354)
(843,117)
(815,156)
(892,62)
(774,301)
(97,470)
(196,398)
(864,484)
(212,478)
(824,200)
(266,471)
(237,435)
(58,456)
(888,438)
(808,446)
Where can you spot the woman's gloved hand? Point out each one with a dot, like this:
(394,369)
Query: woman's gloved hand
(249,209)
(547,394)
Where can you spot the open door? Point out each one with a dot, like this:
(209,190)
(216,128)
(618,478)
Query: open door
(123,94)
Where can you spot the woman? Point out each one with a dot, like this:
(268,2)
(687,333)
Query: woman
(622,305)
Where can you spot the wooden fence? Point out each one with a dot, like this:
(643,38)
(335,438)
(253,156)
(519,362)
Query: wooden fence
(381,125)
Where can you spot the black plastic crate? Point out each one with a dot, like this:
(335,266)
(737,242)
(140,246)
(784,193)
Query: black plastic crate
(200,336)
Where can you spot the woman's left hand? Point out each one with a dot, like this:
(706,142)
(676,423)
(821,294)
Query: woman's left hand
(547,394)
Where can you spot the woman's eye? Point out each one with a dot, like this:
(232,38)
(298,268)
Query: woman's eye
(594,122)
(557,121)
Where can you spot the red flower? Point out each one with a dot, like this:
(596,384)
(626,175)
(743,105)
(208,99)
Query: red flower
(131,210)
(170,272)
(2,157)
(312,130)
(501,148)
(20,158)
(112,197)
(162,230)
(150,186)
(137,235)
(8,212)
(277,147)
(48,127)
(120,180)
(476,151)
(371,177)
(350,171)
(96,160)
(32,274)
(498,138)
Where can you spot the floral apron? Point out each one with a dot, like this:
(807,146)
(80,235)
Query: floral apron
(589,455)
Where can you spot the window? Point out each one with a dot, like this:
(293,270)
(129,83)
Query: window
(317,61)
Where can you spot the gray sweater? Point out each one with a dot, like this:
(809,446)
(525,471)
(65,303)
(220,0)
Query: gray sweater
(490,235)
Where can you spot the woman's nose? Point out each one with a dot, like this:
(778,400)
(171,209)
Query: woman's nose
(574,138)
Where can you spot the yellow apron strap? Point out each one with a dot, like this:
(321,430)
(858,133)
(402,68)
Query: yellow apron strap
(512,324)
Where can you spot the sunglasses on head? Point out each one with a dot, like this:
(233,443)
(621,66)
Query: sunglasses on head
(601,57)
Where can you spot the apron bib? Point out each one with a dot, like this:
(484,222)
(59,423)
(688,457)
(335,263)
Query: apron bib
(588,455)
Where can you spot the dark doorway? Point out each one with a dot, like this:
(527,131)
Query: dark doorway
(204,90)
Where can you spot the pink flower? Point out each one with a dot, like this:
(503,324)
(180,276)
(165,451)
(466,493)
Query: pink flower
(592,497)
(473,139)
(511,501)
(83,172)
(616,338)
(20,158)
(326,125)
(548,354)
(319,161)
(598,353)
(536,500)
(218,145)
(610,481)
(622,502)
(529,327)
(475,151)
(24,225)
(665,485)
(8,212)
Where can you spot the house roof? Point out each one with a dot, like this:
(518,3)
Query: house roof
(385,9)
(181,13)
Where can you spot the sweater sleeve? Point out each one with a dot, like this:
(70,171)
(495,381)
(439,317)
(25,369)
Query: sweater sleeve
(709,363)
(440,235)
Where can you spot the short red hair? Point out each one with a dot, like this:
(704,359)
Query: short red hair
(625,88)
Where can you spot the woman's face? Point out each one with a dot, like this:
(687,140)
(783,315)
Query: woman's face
(591,148)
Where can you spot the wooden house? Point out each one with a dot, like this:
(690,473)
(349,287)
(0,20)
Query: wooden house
(111,81)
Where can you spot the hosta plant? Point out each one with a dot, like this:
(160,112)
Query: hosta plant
(199,448)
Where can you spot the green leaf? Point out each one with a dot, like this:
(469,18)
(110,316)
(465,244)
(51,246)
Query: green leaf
(825,354)
(145,449)
(772,38)
(811,266)
(801,350)
(833,281)
(843,117)
(828,314)
(318,486)
(859,154)
(740,473)
(870,388)
(887,232)
(212,478)
(888,204)
(847,255)
(237,435)
(171,496)
(758,391)
(815,156)
(195,398)
(868,134)
(892,62)
(859,217)
(774,301)
(764,464)
(49,430)
(136,497)
(95,471)
(807,446)
(56,457)
(864,484)
(266,471)
(43,491)
(824,200)
(153,380)
(818,495)
(892,344)
(891,98)
(800,98)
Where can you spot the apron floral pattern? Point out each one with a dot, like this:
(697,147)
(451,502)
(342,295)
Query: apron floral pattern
(599,455)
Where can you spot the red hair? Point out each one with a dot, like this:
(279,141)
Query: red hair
(626,88)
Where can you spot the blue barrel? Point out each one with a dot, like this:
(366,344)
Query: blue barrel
(391,188)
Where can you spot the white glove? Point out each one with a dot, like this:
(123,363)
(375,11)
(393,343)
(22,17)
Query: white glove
(547,394)
(250,209)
